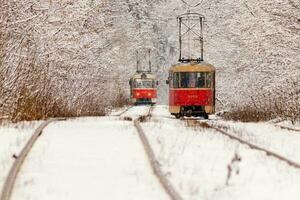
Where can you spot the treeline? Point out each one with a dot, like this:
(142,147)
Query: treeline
(62,58)
(74,58)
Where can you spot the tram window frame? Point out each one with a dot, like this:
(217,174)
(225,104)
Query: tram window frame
(208,81)
(143,80)
(170,80)
(177,81)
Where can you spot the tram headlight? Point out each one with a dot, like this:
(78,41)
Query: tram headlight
(149,94)
(137,94)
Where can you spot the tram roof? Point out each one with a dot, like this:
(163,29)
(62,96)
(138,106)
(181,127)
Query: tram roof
(192,67)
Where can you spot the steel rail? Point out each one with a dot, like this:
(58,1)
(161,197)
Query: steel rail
(251,145)
(9,183)
(166,184)
(121,113)
(288,128)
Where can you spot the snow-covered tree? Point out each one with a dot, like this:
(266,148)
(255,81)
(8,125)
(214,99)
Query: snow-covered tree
(75,57)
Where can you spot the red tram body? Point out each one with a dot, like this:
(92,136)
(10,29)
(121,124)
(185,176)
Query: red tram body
(192,89)
(192,81)
(144,93)
(143,88)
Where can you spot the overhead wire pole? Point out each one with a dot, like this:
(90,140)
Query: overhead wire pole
(201,37)
(189,37)
(150,61)
(180,38)
(187,20)
(137,61)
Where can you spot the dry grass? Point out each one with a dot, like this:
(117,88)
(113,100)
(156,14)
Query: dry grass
(33,107)
(252,114)
(121,98)
(281,103)
(33,98)
(248,114)
(36,101)
(120,101)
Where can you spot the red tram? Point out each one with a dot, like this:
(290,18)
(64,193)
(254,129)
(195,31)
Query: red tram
(191,89)
(143,88)
(192,81)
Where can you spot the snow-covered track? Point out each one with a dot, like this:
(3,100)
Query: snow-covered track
(123,112)
(222,131)
(166,184)
(14,170)
(288,128)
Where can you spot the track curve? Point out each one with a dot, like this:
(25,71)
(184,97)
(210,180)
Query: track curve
(288,128)
(121,113)
(14,170)
(166,184)
(251,145)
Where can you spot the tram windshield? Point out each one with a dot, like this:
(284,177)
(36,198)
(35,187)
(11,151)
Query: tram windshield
(144,83)
(192,80)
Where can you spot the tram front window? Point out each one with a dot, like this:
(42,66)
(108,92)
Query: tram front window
(192,80)
(142,83)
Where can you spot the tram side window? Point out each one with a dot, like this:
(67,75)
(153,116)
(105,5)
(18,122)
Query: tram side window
(201,79)
(144,83)
(137,84)
(186,80)
(192,80)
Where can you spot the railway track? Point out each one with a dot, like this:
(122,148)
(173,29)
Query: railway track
(277,124)
(19,160)
(288,128)
(166,184)
(121,113)
(222,130)
(8,187)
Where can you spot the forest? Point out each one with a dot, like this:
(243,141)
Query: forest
(75,57)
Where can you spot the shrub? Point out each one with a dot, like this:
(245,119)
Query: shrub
(280,102)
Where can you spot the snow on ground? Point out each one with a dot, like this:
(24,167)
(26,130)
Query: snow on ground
(289,124)
(12,139)
(133,112)
(88,158)
(282,141)
(116,111)
(197,161)
(103,158)
(137,111)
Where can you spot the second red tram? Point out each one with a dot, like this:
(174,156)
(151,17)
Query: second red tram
(143,88)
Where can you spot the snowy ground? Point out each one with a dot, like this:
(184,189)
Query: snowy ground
(12,139)
(103,158)
(289,124)
(282,141)
(197,160)
(137,111)
(89,158)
